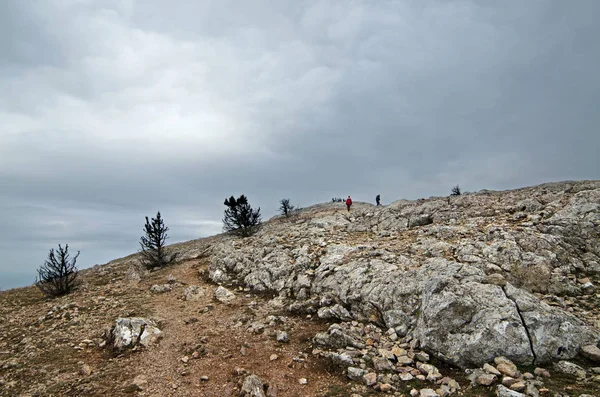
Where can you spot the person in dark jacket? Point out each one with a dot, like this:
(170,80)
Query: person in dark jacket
(348,203)
(377,200)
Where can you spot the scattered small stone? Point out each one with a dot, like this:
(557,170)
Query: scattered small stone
(569,368)
(428,393)
(302,381)
(518,386)
(282,337)
(193,293)
(491,369)
(159,289)
(273,357)
(185,359)
(139,383)
(386,354)
(531,388)
(355,373)
(541,372)
(370,378)
(422,357)
(404,360)
(256,327)
(486,379)
(381,364)
(204,378)
(252,387)
(508,381)
(502,391)
(85,370)
(592,352)
(398,351)
(224,295)
(508,369)
(385,387)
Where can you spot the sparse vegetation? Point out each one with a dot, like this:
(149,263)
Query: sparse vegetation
(58,275)
(286,207)
(240,218)
(153,244)
(456,191)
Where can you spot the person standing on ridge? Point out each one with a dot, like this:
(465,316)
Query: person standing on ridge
(377,200)
(348,203)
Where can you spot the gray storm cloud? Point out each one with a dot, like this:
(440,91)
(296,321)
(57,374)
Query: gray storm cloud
(112,110)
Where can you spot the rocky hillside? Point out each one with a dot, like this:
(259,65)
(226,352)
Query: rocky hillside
(489,293)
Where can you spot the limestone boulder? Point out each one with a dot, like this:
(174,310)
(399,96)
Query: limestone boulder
(133,332)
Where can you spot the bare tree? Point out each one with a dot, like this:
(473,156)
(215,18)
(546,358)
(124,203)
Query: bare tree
(153,244)
(455,191)
(58,275)
(286,207)
(240,218)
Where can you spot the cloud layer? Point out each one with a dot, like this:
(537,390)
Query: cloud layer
(113,110)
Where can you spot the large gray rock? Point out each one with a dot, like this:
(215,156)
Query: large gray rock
(454,314)
(554,334)
(132,332)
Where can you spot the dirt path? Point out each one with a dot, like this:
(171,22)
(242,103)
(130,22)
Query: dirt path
(227,351)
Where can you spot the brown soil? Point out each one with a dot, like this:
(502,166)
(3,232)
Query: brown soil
(45,357)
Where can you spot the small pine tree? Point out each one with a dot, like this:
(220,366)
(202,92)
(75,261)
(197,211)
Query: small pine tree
(286,207)
(58,275)
(455,191)
(153,244)
(240,218)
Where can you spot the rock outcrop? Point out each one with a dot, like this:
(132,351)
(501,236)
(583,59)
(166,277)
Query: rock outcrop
(471,277)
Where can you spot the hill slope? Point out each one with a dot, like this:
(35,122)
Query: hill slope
(463,279)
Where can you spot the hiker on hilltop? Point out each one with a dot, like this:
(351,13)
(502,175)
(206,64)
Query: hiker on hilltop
(377,200)
(348,203)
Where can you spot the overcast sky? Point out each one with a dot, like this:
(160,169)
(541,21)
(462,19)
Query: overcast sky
(113,109)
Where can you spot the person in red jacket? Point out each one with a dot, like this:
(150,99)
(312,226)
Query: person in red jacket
(348,203)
